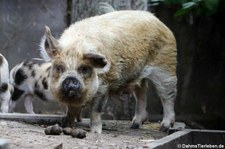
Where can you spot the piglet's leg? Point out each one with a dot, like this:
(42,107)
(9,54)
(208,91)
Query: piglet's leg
(72,112)
(28,103)
(5,97)
(97,107)
(140,111)
(12,106)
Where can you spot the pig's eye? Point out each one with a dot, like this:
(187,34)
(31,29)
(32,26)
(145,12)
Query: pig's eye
(59,68)
(85,70)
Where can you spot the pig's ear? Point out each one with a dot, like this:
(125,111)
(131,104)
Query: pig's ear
(98,61)
(51,44)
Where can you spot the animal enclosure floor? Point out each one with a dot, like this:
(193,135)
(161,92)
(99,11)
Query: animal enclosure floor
(116,134)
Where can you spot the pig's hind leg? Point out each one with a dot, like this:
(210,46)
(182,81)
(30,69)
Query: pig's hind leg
(165,84)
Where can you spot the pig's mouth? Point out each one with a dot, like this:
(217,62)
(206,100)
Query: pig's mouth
(72,97)
(70,94)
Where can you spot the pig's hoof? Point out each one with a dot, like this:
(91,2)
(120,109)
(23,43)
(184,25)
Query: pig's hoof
(134,126)
(53,130)
(79,119)
(78,133)
(96,129)
(68,122)
(165,125)
(164,129)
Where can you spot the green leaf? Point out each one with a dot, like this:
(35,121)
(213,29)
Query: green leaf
(155,2)
(210,5)
(182,12)
(188,5)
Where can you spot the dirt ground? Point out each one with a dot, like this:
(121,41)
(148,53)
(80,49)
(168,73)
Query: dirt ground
(116,134)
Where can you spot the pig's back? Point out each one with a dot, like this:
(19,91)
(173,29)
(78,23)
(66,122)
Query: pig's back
(130,40)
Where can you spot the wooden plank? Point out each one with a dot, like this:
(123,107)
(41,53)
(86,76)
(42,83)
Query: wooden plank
(4,144)
(172,141)
(213,137)
(191,137)
(41,119)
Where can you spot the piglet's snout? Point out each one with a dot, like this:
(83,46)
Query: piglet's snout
(71,87)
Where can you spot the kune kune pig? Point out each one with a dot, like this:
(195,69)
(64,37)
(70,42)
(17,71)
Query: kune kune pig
(30,80)
(5,87)
(101,55)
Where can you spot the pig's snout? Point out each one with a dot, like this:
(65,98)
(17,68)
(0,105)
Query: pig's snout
(71,87)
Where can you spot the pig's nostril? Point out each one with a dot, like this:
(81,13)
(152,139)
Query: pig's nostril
(76,84)
(67,81)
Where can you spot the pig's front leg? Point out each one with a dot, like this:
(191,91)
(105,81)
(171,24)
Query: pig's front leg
(72,113)
(97,107)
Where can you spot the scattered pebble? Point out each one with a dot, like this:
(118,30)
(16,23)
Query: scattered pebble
(60,146)
(145,146)
(115,135)
(3,123)
(126,141)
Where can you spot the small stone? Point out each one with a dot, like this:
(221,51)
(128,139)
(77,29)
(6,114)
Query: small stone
(115,135)
(67,131)
(60,146)
(145,146)
(78,133)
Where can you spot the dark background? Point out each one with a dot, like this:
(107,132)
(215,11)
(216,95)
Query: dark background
(201,54)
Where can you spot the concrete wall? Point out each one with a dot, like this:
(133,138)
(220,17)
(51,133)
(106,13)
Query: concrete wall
(22,26)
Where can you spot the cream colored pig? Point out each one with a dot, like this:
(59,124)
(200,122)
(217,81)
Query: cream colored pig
(6,88)
(99,56)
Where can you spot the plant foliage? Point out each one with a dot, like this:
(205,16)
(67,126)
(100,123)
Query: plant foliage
(197,7)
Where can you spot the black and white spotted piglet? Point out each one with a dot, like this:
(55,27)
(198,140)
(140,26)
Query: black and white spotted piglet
(5,87)
(30,79)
